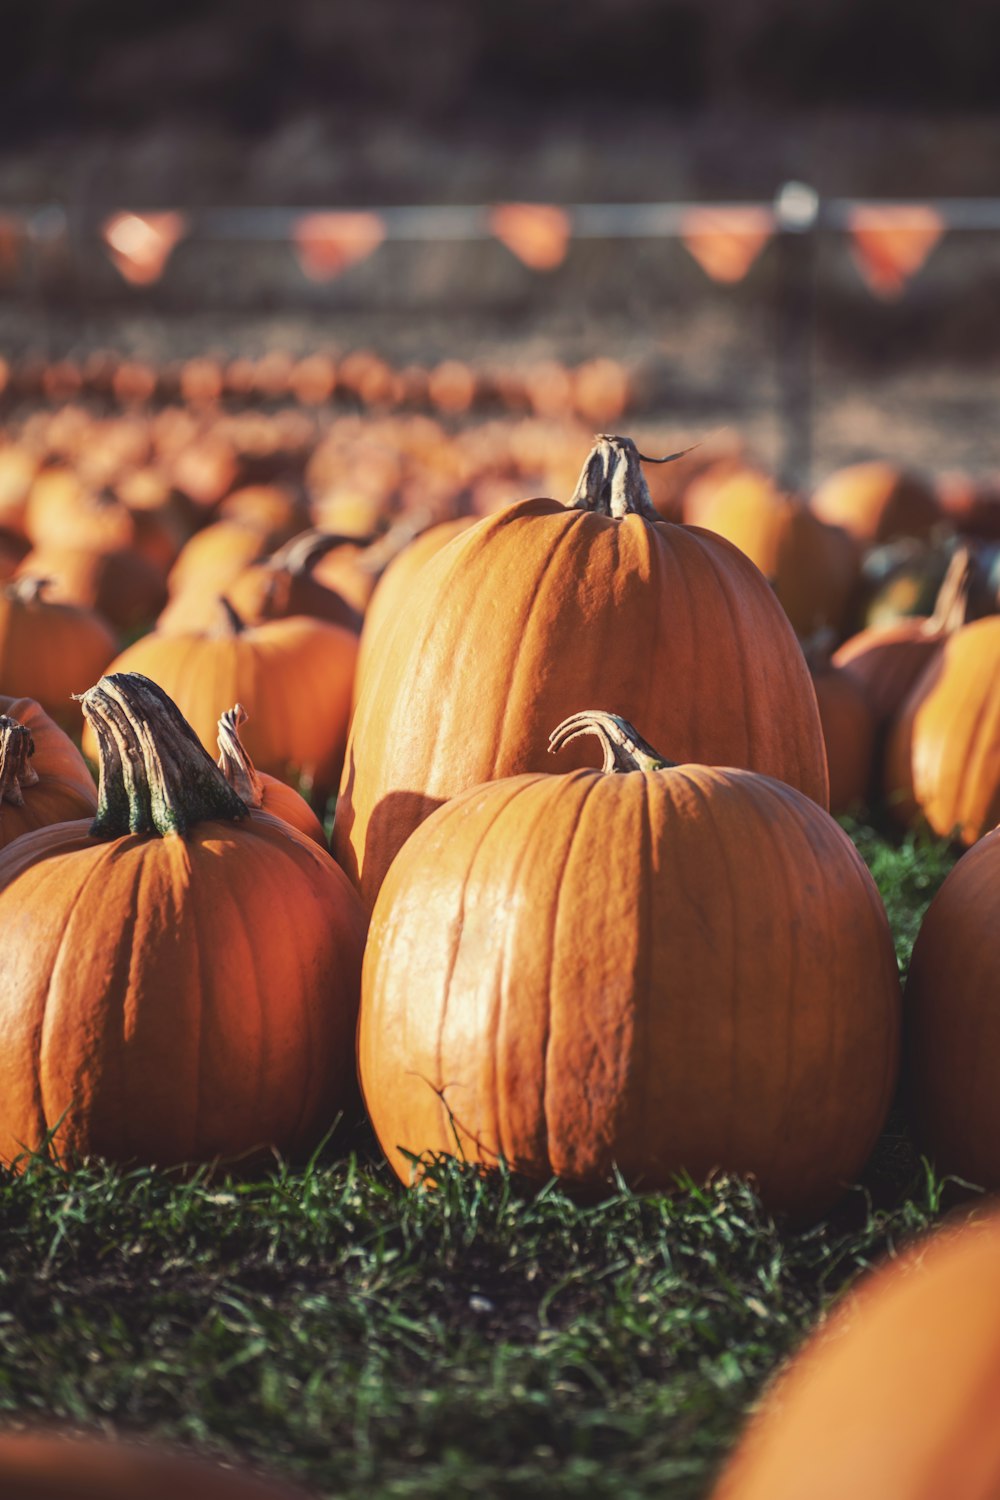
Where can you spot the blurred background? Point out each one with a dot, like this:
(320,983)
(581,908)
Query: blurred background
(197,107)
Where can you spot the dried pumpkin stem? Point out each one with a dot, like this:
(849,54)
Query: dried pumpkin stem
(624,749)
(234,762)
(16,748)
(305,550)
(952,607)
(233,622)
(27,590)
(155,775)
(612,482)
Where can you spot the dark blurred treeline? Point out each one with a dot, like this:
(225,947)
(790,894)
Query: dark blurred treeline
(250,63)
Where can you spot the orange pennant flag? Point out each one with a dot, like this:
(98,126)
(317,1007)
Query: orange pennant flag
(537,233)
(891,243)
(141,244)
(329,243)
(726,241)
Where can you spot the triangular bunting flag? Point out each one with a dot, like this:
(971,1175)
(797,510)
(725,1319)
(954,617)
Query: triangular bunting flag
(726,241)
(537,233)
(141,244)
(328,243)
(890,244)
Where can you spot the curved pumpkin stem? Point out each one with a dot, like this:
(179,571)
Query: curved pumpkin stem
(155,775)
(233,623)
(16,748)
(612,482)
(28,589)
(305,550)
(624,749)
(953,605)
(234,762)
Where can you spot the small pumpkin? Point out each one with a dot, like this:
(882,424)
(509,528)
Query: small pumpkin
(256,788)
(123,585)
(848,728)
(543,606)
(595,970)
(285,583)
(229,943)
(886,660)
(896,1394)
(877,501)
(942,758)
(43,777)
(50,651)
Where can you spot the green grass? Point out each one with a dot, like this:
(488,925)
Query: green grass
(477,1340)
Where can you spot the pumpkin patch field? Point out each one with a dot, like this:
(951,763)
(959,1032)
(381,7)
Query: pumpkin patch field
(500,935)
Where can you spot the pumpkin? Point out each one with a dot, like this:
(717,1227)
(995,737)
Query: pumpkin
(63,512)
(18,468)
(181,976)
(943,751)
(43,777)
(886,660)
(877,501)
(49,651)
(295,677)
(256,788)
(122,585)
(595,970)
(544,607)
(848,729)
(387,602)
(953,1027)
(51,1466)
(896,1394)
(285,584)
(812,567)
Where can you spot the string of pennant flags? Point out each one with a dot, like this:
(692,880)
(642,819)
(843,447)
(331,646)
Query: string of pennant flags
(889,241)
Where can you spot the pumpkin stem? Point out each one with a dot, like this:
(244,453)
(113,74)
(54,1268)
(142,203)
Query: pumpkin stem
(612,482)
(234,623)
(27,590)
(16,747)
(624,749)
(234,762)
(155,776)
(305,550)
(953,605)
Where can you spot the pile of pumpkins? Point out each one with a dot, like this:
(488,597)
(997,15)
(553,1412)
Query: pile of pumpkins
(674,962)
(586,910)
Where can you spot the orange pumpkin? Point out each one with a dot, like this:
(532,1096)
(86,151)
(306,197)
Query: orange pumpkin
(943,752)
(897,1393)
(122,585)
(285,584)
(813,568)
(229,943)
(50,1466)
(544,607)
(43,777)
(582,971)
(886,660)
(877,501)
(848,730)
(256,788)
(295,677)
(953,1025)
(49,651)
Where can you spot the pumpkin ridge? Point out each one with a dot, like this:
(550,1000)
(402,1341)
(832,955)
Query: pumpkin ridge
(553,944)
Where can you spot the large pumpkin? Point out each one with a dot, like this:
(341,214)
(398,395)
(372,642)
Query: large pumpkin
(295,677)
(49,1466)
(678,968)
(953,1020)
(181,977)
(43,777)
(943,753)
(543,608)
(896,1397)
